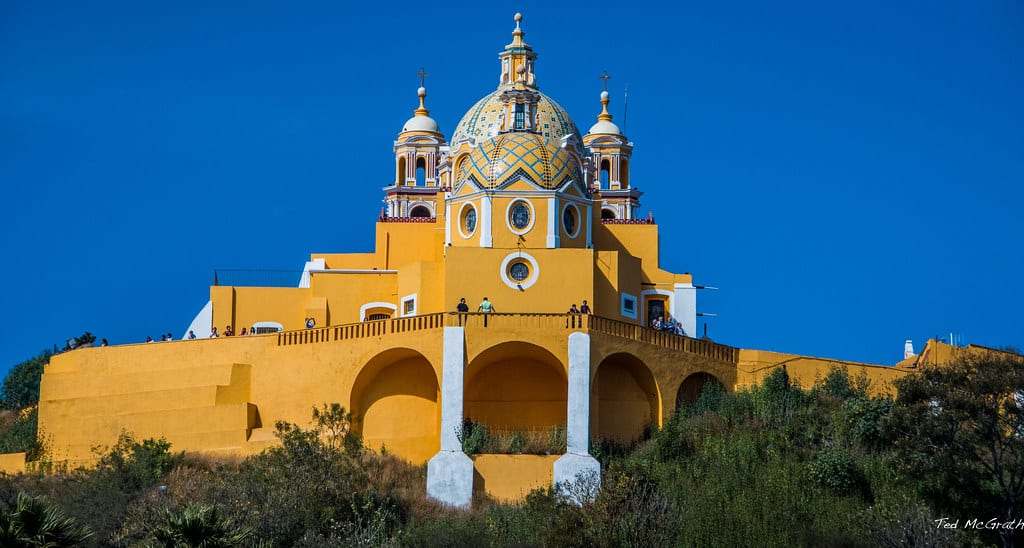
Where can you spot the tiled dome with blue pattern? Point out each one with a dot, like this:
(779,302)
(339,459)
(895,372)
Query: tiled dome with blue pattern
(516,155)
(481,121)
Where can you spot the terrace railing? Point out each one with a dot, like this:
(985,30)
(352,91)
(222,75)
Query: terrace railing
(527,321)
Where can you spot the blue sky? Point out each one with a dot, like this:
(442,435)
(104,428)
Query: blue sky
(849,174)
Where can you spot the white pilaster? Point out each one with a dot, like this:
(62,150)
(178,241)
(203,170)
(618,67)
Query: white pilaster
(485,222)
(590,227)
(684,307)
(552,241)
(448,222)
(450,471)
(577,464)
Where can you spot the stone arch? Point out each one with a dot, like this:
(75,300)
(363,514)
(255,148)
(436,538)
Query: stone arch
(420,210)
(516,386)
(607,214)
(624,399)
(395,404)
(692,386)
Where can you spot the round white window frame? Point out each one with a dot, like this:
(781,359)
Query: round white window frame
(508,216)
(579,220)
(517,256)
(462,217)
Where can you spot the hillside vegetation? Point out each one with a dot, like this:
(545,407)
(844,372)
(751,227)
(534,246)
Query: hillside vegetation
(778,465)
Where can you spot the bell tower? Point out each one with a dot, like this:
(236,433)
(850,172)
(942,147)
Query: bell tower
(418,149)
(610,153)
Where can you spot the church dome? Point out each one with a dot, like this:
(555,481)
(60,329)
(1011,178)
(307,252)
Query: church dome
(483,120)
(511,156)
(422,120)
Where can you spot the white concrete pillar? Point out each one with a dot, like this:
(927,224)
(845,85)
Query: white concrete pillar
(577,464)
(684,308)
(450,471)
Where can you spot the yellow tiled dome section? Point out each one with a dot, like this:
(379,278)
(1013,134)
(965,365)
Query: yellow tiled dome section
(512,156)
(481,121)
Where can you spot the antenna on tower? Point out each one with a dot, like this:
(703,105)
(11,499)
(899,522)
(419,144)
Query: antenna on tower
(625,104)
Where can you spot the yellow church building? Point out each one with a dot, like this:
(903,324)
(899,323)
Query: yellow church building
(519,213)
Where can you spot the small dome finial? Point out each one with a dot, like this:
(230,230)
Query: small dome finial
(422,92)
(604,123)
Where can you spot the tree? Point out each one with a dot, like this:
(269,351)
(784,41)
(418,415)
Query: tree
(959,432)
(35,522)
(21,387)
(199,525)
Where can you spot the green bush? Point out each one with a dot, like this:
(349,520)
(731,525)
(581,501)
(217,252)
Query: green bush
(21,386)
(835,469)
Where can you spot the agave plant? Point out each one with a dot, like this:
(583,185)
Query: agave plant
(35,522)
(198,526)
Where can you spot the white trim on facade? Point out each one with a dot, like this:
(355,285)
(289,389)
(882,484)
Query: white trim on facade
(378,304)
(411,298)
(622,303)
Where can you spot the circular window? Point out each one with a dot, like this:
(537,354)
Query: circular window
(519,271)
(520,216)
(467,220)
(570,220)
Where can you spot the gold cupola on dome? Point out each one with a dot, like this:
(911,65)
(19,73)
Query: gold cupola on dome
(517,104)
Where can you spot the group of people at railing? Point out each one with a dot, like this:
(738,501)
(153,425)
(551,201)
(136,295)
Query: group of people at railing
(667,325)
(228,332)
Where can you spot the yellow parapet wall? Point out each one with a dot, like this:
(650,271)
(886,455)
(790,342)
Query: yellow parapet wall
(755,365)
(12,463)
(510,477)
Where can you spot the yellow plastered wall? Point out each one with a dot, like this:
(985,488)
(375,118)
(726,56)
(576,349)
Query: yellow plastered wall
(425,282)
(226,394)
(406,243)
(537,233)
(285,305)
(755,365)
(353,261)
(475,273)
(640,240)
(615,273)
(346,293)
(12,463)
(508,478)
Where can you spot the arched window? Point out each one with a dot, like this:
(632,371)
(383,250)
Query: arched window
(421,172)
(400,179)
(605,176)
(624,173)
(419,211)
(607,214)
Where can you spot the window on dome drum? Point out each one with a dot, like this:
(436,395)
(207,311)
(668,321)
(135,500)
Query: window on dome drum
(519,271)
(520,112)
(419,211)
(520,216)
(470,221)
(605,174)
(569,220)
(607,214)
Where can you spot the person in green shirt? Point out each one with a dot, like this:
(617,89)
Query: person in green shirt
(486,307)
